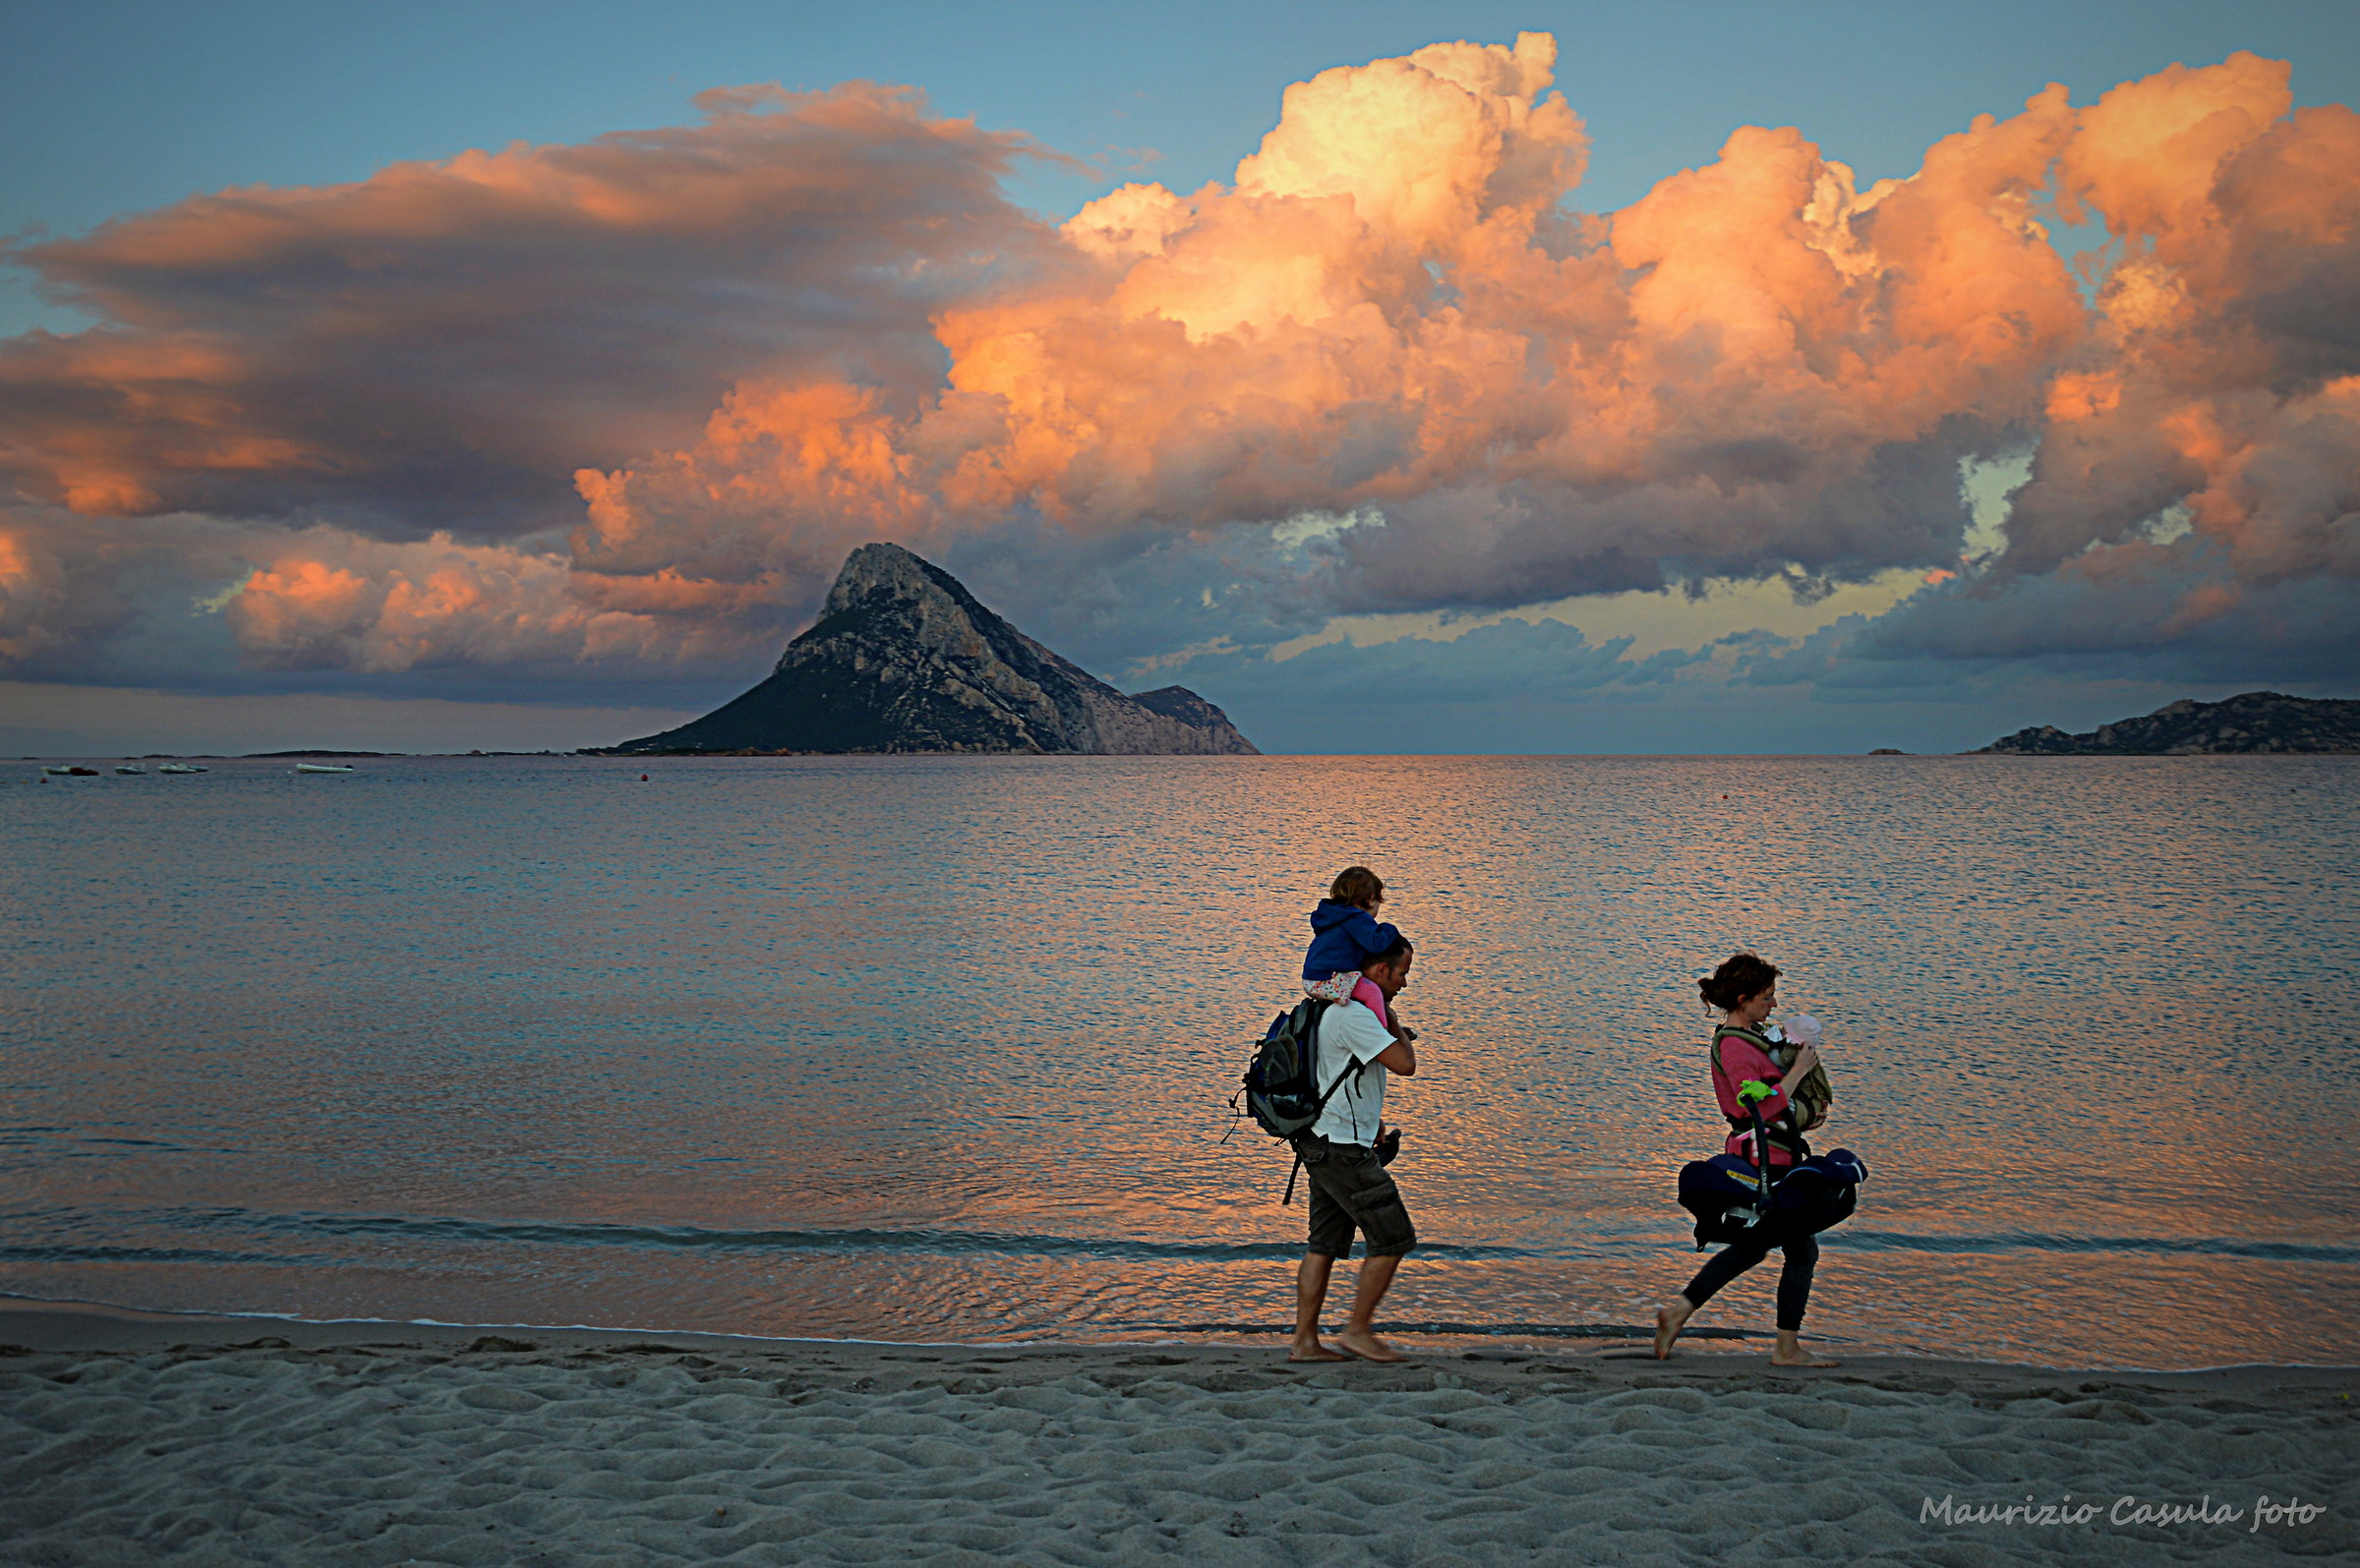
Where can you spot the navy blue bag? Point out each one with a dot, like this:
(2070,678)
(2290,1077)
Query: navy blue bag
(1818,1192)
(1724,1194)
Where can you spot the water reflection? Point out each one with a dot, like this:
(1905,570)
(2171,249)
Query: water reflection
(508,1041)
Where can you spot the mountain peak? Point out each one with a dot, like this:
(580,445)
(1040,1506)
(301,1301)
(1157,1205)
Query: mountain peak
(885,569)
(903,659)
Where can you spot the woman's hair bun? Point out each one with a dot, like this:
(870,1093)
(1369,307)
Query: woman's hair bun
(1740,976)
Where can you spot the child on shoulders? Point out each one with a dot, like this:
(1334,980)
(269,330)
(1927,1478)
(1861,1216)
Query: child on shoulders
(1345,935)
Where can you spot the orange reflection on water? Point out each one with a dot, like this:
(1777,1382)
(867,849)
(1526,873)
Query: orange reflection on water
(947,1042)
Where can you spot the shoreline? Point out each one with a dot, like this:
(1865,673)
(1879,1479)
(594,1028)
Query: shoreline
(38,1327)
(42,1325)
(130,1437)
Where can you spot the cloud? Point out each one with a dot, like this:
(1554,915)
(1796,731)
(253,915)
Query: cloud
(2144,611)
(91,601)
(336,600)
(624,406)
(1755,367)
(2222,369)
(178,600)
(444,344)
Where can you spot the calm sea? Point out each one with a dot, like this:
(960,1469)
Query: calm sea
(926,1049)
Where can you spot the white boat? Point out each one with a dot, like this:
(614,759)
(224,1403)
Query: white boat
(142,771)
(178,767)
(322,767)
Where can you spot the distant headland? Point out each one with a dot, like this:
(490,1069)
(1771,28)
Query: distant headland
(2258,721)
(902,658)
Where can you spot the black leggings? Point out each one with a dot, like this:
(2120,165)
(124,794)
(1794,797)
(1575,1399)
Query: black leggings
(1794,1275)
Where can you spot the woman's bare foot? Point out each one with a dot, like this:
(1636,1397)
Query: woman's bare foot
(1789,1351)
(1669,1321)
(1367,1346)
(1315,1352)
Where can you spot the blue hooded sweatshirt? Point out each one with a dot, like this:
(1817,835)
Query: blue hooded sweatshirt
(1346,937)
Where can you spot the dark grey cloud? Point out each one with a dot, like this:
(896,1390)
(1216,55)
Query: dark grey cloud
(1746,512)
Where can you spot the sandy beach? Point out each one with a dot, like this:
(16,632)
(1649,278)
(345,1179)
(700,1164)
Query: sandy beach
(129,1439)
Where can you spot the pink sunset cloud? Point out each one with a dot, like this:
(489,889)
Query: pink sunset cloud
(631,401)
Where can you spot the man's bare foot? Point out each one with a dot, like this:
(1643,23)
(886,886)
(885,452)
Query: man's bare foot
(1315,1352)
(1669,1321)
(1367,1346)
(1789,1351)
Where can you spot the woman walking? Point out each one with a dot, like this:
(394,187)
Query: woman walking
(1745,989)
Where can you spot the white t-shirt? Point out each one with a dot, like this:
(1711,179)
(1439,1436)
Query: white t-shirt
(1349,1031)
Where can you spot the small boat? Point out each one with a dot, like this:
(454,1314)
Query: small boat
(322,767)
(75,771)
(178,767)
(127,768)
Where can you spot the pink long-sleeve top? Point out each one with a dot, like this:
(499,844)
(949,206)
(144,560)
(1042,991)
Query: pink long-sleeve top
(1738,1058)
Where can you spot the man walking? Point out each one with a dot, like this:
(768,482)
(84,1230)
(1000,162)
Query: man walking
(1344,1154)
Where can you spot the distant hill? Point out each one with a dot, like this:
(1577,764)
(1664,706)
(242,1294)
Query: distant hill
(2258,721)
(902,658)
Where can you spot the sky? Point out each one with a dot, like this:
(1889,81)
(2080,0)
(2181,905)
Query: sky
(1557,378)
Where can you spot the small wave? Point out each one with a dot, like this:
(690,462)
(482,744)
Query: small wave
(928,1241)
(2039,1242)
(1479,1330)
(68,1252)
(922,1241)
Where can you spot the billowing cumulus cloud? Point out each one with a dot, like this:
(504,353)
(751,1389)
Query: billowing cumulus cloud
(2222,367)
(626,405)
(1758,366)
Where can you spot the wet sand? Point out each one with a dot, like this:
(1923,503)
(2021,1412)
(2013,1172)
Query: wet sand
(128,1438)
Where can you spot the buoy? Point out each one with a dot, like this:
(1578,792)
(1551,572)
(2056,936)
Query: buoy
(643,777)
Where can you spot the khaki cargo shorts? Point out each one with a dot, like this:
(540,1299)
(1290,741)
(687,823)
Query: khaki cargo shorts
(1350,1191)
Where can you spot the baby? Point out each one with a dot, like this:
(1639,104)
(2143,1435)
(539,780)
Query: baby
(1811,1096)
(1345,935)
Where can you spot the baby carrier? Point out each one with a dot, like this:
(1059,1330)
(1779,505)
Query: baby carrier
(1807,1096)
(1734,1198)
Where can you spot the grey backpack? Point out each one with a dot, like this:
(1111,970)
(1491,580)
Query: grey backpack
(1282,1081)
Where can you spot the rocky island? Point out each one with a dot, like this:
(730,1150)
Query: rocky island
(2258,721)
(903,659)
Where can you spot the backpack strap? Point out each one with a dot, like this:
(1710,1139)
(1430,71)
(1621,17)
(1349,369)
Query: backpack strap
(1721,1076)
(1352,1066)
(1288,1197)
(1768,1046)
(1756,1036)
